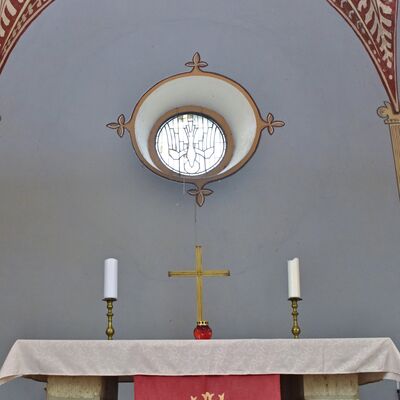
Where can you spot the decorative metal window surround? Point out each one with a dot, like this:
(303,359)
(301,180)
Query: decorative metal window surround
(221,169)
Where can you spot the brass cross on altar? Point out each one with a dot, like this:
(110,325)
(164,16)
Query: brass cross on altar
(199,273)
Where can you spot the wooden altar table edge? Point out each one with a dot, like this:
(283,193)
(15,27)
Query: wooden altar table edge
(373,359)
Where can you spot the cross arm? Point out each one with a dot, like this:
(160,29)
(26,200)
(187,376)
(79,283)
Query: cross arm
(182,273)
(217,272)
(187,274)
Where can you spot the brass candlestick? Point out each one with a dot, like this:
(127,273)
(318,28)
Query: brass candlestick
(110,329)
(295,328)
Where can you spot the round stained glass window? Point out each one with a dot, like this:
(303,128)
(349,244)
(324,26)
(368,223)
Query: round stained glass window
(190,144)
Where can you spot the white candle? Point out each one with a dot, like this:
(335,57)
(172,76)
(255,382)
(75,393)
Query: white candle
(294,278)
(110,279)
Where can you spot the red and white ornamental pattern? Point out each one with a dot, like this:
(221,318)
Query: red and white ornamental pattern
(15,17)
(374,22)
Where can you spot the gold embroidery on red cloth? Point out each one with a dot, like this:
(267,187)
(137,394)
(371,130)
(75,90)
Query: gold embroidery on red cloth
(209,396)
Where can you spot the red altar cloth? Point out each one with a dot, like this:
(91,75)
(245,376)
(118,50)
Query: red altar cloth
(225,387)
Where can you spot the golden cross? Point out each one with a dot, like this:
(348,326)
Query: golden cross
(199,273)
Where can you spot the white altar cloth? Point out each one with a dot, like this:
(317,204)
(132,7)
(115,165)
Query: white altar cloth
(372,359)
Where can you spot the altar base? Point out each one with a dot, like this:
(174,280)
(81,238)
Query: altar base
(331,387)
(82,388)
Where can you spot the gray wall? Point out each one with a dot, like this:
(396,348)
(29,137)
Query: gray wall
(72,193)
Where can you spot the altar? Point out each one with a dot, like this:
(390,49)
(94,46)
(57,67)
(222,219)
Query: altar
(309,368)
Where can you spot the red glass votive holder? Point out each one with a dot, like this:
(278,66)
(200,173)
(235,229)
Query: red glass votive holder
(202,331)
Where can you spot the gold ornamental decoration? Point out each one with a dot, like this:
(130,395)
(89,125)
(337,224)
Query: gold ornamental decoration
(195,127)
(209,396)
